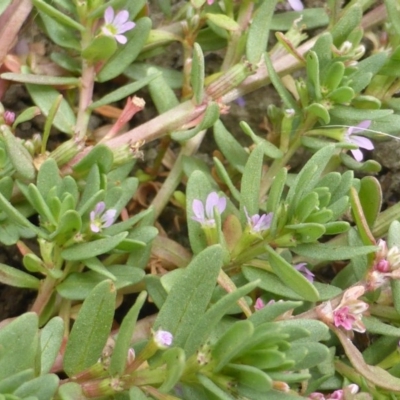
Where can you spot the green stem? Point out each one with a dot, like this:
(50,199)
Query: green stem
(175,175)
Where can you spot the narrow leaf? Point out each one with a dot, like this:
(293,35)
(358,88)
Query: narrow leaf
(91,329)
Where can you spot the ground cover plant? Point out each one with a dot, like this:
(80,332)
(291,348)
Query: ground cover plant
(172,254)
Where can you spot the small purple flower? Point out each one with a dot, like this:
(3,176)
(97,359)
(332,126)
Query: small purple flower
(206,215)
(296,5)
(359,141)
(209,2)
(115,25)
(163,339)
(258,223)
(99,218)
(305,271)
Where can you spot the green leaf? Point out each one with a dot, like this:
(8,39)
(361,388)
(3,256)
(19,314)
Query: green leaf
(287,99)
(51,337)
(351,114)
(60,17)
(328,252)
(18,345)
(123,341)
(334,76)
(100,49)
(342,95)
(44,97)
(100,155)
(70,391)
(139,71)
(315,354)
(269,149)
(197,74)
(83,251)
(14,277)
(312,64)
(308,232)
(126,54)
(223,21)
(250,379)
(310,17)
(349,21)
(61,35)
(257,38)
(40,80)
(251,180)
(230,343)
(48,177)
(19,155)
(370,195)
(319,111)
(97,266)
(175,365)
(273,311)
(375,326)
(212,389)
(13,382)
(210,116)
(43,388)
(309,176)
(212,317)
(190,295)
(123,91)
(77,286)
(291,277)
(230,147)
(91,329)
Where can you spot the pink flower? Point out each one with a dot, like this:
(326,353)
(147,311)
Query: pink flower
(259,304)
(348,314)
(115,25)
(296,5)
(209,2)
(359,141)
(205,215)
(99,218)
(9,117)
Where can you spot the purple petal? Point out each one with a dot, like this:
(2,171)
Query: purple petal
(305,271)
(357,154)
(108,218)
(120,19)
(362,126)
(94,228)
(121,39)
(109,15)
(362,142)
(127,26)
(263,222)
(100,207)
(221,204)
(211,202)
(198,210)
(296,5)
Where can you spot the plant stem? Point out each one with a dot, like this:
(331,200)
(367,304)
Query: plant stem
(45,291)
